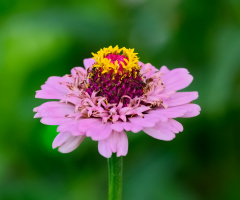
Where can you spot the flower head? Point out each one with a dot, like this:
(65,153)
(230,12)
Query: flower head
(116,76)
(113,94)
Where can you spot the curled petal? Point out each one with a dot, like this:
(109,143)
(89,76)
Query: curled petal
(117,142)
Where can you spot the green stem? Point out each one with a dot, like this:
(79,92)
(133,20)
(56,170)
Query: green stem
(115,165)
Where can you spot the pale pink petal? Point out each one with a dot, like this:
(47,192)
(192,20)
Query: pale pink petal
(76,70)
(67,142)
(72,99)
(117,142)
(176,126)
(141,64)
(146,121)
(37,115)
(54,120)
(147,70)
(181,98)
(99,131)
(54,109)
(187,110)
(176,79)
(70,126)
(172,112)
(117,126)
(95,128)
(192,110)
(52,89)
(53,112)
(60,139)
(86,123)
(88,62)
(128,126)
(71,145)
(164,69)
(159,116)
(164,130)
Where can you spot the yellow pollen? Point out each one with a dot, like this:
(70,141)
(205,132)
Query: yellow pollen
(106,65)
(106,101)
(123,77)
(135,74)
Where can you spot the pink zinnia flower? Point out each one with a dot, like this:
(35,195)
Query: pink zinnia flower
(113,94)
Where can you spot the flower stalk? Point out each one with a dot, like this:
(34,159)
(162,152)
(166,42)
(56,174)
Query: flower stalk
(115,165)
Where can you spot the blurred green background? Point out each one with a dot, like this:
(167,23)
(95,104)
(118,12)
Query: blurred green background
(43,38)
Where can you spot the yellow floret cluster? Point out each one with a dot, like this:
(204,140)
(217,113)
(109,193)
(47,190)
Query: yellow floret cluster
(106,65)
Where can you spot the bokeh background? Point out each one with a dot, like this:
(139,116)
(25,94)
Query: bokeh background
(43,38)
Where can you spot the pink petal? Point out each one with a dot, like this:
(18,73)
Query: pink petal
(164,69)
(94,128)
(128,126)
(181,98)
(164,130)
(67,142)
(187,110)
(54,109)
(141,64)
(54,121)
(146,121)
(117,126)
(70,126)
(85,124)
(52,89)
(158,115)
(176,79)
(163,113)
(72,99)
(60,139)
(147,70)
(99,131)
(88,62)
(76,70)
(176,126)
(116,143)
(53,112)
(192,110)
